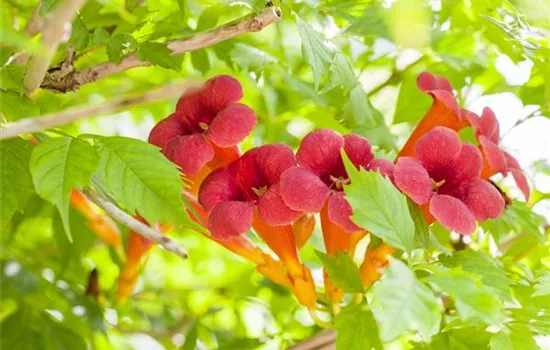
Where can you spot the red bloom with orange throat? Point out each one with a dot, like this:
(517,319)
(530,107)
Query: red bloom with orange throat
(207,124)
(322,175)
(231,195)
(445,175)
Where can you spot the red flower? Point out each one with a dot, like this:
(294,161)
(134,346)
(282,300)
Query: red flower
(495,159)
(230,195)
(446,176)
(205,123)
(322,175)
(445,110)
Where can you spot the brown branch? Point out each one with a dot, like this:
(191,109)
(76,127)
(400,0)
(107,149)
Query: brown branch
(52,35)
(29,125)
(67,80)
(33,27)
(322,341)
(134,224)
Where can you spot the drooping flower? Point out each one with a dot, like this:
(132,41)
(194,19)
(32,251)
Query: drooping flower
(495,159)
(245,195)
(206,126)
(445,178)
(321,175)
(445,110)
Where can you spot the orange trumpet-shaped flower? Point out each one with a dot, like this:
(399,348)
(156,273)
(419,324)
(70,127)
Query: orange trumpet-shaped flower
(303,229)
(445,110)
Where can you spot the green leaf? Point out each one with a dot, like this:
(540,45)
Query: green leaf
(542,287)
(515,338)
(473,300)
(190,338)
(480,264)
(249,58)
(100,36)
(141,179)
(412,103)
(379,207)
(158,54)
(118,45)
(79,34)
(57,166)
(421,230)
(15,106)
(200,60)
(315,52)
(356,329)
(358,108)
(401,303)
(12,77)
(208,18)
(343,272)
(16,183)
(341,74)
(469,338)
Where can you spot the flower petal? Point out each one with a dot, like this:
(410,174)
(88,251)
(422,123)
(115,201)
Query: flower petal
(166,130)
(273,210)
(517,173)
(218,187)
(452,214)
(272,160)
(466,167)
(190,112)
(438,148)
(358,149)
(488,125)
(494,155)
(428,82)
(320,153)
(190,152)
(383,166)
(411,178)
(231,125)
(339,212)
(220,91)
(230,219)
(483,199)
(302,190)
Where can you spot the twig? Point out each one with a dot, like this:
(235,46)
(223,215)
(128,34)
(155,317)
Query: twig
(134,224)
(322,341)
(55,29)
(29,125)
(71,80)
(33,27)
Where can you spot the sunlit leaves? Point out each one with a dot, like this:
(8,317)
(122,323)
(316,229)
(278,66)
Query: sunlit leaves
(118,45)
(379,207)
(343,272)
(79,34)
(472,299)
(515,338)
(543,286)
(316,53)
(16,106)
(402,304)
(16,185)
(356,329)
(158,54)
(58,165)
(141,179)
(249,58)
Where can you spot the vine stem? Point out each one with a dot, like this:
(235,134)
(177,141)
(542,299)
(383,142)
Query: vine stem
(135,225)
(321,341)
(68,79)
(35,124)
(55,29)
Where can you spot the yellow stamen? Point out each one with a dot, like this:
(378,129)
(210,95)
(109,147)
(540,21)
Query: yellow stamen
(203,126)
(259,191)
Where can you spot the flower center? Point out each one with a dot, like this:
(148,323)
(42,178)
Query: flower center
(259,191)
(437,184)
(203,126)
(339,182)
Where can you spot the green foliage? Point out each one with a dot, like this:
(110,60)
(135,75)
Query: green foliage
(16,186)
(141,179)
(59,165)
(401,303)
(356,329)
(379,207)
(543,286)
(343,271)
(158,54)
(316,53)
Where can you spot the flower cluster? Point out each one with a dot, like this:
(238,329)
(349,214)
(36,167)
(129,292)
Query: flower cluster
(277,193)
